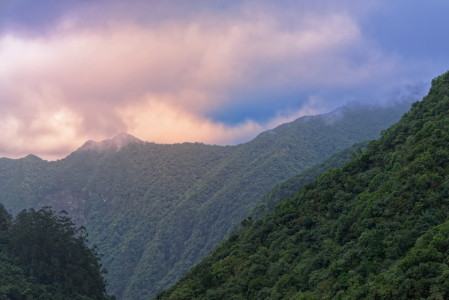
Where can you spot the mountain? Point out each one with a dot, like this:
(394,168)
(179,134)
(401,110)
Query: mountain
(377,228)
(156,210)
(289,187)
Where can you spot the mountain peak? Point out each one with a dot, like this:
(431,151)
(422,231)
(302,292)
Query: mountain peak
(120,140)
(124,137)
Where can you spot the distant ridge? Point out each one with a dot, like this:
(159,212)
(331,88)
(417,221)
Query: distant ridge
(155,210)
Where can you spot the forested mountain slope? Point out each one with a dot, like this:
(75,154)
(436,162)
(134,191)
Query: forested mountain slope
(43,256)
(289,187)
(378,228)
(156,210)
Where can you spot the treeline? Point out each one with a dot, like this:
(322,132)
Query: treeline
(377,228)
(43,256)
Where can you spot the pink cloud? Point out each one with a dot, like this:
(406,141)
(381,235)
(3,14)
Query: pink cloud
(160,81)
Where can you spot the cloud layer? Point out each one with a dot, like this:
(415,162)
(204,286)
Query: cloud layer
(162,81)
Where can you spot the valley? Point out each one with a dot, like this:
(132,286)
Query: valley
(156,210)
(375,228)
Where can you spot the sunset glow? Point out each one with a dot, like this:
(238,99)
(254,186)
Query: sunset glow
(92,75)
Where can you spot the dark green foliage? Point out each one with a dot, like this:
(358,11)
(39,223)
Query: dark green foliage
(289,187)
(377,228)
(247,222)
(42,256)
(157,210)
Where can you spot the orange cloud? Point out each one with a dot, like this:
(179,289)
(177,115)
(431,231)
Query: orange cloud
(159,82)
(161,122)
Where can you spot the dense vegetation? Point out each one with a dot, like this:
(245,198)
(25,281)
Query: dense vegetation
(157,210)
(43,256)
(289,187)
(377,228)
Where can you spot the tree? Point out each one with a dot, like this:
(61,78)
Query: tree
(43,255)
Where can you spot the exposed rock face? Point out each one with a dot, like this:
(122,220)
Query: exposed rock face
(64,200)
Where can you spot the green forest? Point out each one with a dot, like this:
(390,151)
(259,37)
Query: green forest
(43,256)
(155,210)
(289,187)
(376,228)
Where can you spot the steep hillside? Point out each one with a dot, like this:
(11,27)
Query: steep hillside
(156,210)
(378,228)
(289,187)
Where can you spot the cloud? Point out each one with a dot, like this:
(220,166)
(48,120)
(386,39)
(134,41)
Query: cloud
(167,124)
(161,81)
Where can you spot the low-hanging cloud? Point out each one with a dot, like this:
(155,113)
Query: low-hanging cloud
(161,81)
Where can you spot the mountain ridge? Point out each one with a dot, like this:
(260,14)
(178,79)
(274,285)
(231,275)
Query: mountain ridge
(155,210)
(377,228)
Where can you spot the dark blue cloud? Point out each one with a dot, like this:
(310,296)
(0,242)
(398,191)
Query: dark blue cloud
(39,17)
(33,16)
(261,106)
(413,29)
(258,106)
(414,32)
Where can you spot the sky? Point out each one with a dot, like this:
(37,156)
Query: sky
(216,72)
